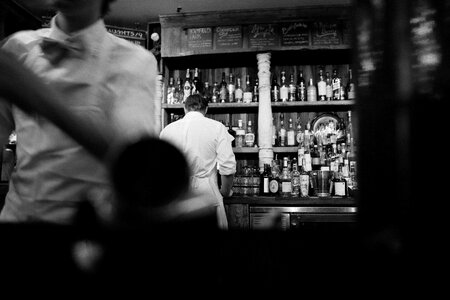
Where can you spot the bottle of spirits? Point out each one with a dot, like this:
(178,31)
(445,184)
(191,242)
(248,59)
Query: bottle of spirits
(178,93)
(295,180)
(274,183)
(284,89)
(311,91)
(223,89)
(339,185)
(196,83)
(248,92)
(239,92)
(285,179)
(215,94)
(207,93)
(275,89)
(240,135)
(282,134)
(170,91)
(290,134)
(350,86)
(321,87)
(329,87)
(292,89)
(304,182)
(232,133)
(187,87)
(349,130)
(256,91)
(249,135)
(315,158)
(264,181)
(299,137)
(231,88)
(301,87)
(274,134)
(336,84)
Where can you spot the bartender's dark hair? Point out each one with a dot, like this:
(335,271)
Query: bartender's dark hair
(106,6)
(195,103)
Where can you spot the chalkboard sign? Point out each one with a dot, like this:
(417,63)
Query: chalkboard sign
(263,35)
(199,38)
(325,33)
(295,34)
(135,36)
(228,37)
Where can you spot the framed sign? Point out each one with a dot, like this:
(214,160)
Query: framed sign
(263,35)
(295,34)
(228,37)
(135,36)
(325,33)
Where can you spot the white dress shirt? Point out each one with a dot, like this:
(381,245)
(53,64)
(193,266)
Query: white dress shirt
(112,86)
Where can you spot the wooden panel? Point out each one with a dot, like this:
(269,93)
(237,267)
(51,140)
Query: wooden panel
(238,216)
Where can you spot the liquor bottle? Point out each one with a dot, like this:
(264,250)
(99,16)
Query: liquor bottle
(215,95)
(290,134)
(223,89)
(284,89)
(232,133)
(274,134)
(299,137)
(196,84)
(240,135)
(295,180)
(178,92)
(249,135)
(248,92)
(275,89)
(207,91)
(334,158)
(350,86)
(172,118)
(315,158)
(256,91)
(329,87)
(282,132)
(307,136)
(311,91)
(170,91)
(321,87)
(274,183)
(339,185)
(285,179)
(349,130)
(292,89)
(187,87)
(264,181)
(239,92)
(231,88)
(301,87)
(304,182)
(336,84)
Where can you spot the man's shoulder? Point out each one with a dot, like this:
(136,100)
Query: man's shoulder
(24,38)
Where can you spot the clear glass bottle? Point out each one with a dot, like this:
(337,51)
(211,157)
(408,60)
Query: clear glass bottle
(285,179)
(290,134)
(249,135)
(275,89)
(178,93)
(301,87)
(231,88)
(239,92)
(321,87)
(304,182)
(284,89)
(274,133)
(299,137)
(295,180)
(215,94)
(328,87)
(351,88)
(170,91)
(187,87)
(240,135)
(292,89)
(311,91)
(336,84)
(248,92)
(282,134)
(274,183)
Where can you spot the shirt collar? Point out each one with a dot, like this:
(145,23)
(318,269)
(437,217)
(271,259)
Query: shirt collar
(193,114)
(91,36)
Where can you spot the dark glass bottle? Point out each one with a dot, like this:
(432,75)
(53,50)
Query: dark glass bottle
(223,89)
(275,89)
(256,91)
(339,186)
(264,182)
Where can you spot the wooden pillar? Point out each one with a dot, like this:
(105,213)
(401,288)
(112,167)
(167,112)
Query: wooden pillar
(264,111)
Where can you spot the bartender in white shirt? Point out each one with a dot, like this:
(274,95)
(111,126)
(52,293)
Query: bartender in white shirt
(206,144)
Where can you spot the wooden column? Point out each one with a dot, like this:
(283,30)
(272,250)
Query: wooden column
(264,111)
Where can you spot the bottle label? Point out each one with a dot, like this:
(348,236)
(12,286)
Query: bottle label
(291,138)
(286,187)
(249,139)
(339,188)
(322,88)
(307,162)
(284,93)
(266,185)
(238,95)
(247,97)
(274,186)
(304,185)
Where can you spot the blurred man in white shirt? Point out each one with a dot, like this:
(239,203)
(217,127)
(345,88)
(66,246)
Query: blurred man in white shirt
(206,144)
